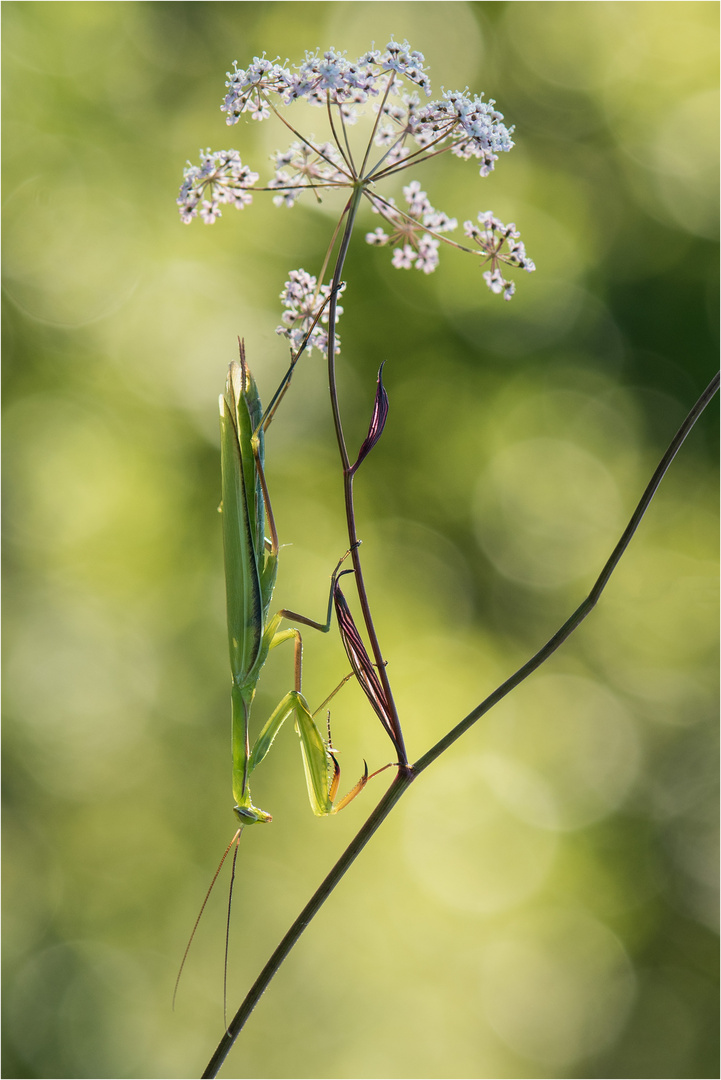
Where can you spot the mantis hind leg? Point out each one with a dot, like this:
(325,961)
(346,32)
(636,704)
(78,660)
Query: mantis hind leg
(321,768)
(322,771)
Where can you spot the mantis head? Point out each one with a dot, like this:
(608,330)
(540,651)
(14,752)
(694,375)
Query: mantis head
(249,815)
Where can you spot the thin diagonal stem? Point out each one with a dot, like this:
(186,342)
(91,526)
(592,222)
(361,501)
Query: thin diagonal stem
(405,776)
(416,158)
(377,173)
(591,600)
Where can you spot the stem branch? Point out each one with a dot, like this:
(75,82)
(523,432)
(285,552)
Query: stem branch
(407,774)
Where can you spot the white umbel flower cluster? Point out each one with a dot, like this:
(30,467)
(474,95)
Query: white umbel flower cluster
(320,79)
(501,244)
(303,299)
(412,231)
(403,131)
(223,177)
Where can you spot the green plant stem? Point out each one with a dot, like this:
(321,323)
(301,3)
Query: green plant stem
(405,776)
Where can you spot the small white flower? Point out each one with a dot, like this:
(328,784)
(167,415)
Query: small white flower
(427,259)
(377,237)
(417,200)
(209,211)
(403,258)
(289,189)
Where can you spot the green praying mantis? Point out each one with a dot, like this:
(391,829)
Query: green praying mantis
(251,567)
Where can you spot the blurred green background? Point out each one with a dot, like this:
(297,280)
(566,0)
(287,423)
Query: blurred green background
(542,903)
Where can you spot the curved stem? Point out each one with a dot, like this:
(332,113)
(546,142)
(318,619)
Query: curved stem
(407,774)
(591,600)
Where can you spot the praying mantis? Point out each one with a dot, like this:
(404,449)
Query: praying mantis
(251,567)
